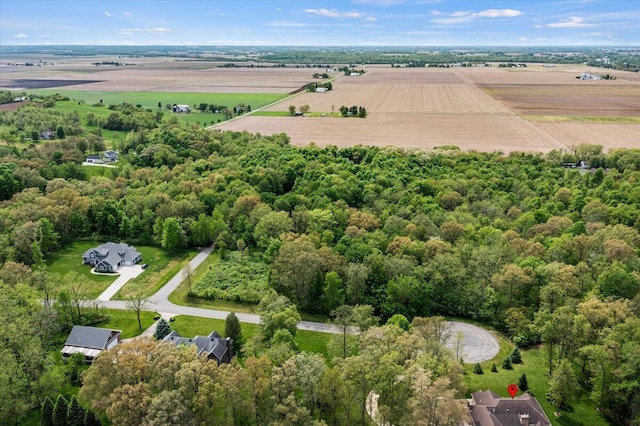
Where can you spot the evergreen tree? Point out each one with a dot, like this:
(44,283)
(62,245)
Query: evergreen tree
(494,369)
(477,369)
(46,414)
(233,329)
(60,411)
(506,364)
(91,420)
(75,413)
(516,357)
(522,382)
(162,329)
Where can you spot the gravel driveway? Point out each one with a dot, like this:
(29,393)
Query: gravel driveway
(478,344)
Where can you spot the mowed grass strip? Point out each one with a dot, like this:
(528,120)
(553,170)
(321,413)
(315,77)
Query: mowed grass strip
(536,366)
(580,119)
(127,321)
(162,267)
(151,99)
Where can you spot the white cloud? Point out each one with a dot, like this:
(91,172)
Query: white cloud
(334,13)
(570,22)
(523,39)
(499,13)
(126,13)
(370,19)
(461,17)
(130,31)
(20,35)
(107,14)
(158,30)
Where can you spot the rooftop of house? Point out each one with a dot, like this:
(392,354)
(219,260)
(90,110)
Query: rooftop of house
(490,409)
(90,337)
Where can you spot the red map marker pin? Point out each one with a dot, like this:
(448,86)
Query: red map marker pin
(513,390)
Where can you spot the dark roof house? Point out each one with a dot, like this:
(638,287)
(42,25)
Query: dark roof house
(111,155)
(212,346)
(109,257)
(490,409)
(89,341)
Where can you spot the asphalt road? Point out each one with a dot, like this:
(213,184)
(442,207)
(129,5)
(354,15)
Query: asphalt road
(478,344)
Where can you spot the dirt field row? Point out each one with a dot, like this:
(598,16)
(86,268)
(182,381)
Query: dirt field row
(469,132)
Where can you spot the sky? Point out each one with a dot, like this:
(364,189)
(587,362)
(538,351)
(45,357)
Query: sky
(321,22)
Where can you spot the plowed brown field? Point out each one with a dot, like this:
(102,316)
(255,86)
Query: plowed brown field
(473,108)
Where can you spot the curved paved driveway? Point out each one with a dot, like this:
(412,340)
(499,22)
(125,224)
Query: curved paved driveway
(478,344)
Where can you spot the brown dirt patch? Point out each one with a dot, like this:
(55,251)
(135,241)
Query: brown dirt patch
(469,132)
(609,135)
(569,99)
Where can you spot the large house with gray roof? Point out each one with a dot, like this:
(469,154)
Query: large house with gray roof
(89,341)
(490,409)
(212,346)
(109,257)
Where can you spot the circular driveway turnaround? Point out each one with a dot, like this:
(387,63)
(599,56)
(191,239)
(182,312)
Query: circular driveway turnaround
(478,344)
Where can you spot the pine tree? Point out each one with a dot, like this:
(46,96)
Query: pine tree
(46,414)
(91,420)
(75,413)
(522,382)
(494,369)
(515,356)
(506,364)
(477,369)
(60,411)
(162,329)
(233,329)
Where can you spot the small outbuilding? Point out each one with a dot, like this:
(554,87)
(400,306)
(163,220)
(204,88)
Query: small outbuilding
(89,341)
(181,108)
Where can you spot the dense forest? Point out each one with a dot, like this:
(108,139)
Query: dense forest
(545,254)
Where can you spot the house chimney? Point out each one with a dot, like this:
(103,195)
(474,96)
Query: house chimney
(524,419)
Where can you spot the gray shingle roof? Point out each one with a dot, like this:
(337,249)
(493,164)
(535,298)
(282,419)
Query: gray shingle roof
(490,409)
(89,337)
(213,344)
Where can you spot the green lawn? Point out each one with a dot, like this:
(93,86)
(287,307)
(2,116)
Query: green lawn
(535,366)
(127,322)
(69,259)
(308,341)
(151,99)
(162,267)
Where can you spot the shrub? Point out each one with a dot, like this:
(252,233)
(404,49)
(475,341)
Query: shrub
(506,364)
(477,369)
(515,356)
(494,369)
(522,382)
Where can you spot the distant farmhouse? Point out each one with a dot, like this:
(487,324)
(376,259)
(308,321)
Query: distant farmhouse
(108,157)
(109,257)
(490,409)
(89,341)
(213,346)
(181,108)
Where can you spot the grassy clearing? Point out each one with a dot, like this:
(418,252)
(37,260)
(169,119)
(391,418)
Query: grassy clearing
(162,267)
(308,341)
(580,119)
(108,172)
(127,322)
(69,259)
(535,366)
(271,114)
(151,99)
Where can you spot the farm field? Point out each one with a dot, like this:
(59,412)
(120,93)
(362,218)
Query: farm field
(159,75)
(480,108)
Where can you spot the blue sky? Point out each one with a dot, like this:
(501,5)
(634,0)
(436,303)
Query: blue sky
(322,22)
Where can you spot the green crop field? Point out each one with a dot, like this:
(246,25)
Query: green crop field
(151,99)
